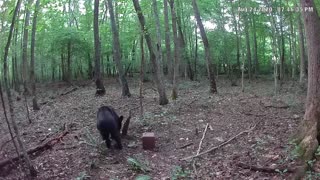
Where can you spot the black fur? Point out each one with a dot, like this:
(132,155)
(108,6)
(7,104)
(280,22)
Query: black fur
(109,124)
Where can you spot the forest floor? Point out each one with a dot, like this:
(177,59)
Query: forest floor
(268,121)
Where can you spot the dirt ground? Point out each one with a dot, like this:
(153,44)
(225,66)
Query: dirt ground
(178,126)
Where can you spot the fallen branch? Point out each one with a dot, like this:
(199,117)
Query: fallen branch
(203,135)
(186,145)
(48,145)
(251,114)
(265,169)
(70,91)
(280,107)
(221,145)
(199,148)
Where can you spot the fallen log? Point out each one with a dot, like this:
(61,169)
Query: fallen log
(47,145)
(266,169)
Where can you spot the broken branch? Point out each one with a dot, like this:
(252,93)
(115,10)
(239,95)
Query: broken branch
(221,145)
(265,169)
(49,144)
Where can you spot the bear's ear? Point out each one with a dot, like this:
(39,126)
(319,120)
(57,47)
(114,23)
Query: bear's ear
(120,119)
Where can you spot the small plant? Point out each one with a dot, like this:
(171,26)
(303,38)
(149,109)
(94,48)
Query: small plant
(178,172)
(318,151)
(281,172)
(137,165)
(312,175)
(296,152)
(143,177)
(311,163)
(82,176)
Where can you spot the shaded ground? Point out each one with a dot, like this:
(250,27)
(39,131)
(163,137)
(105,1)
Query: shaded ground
(178,127)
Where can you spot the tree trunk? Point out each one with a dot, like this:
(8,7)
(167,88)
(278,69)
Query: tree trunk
(25,48)
(213,86)
(195,52)
(32,170)
(282,63)
(158,29)
(117,51)
(292,48)
(246,29)
(100,90)
(235,24)
(176,51)
(167,41)
(309,134)
(158,76)
(69,71)
(33,43)
(183,47)
(142,66)
(255,47)
(303,74)
(294,53)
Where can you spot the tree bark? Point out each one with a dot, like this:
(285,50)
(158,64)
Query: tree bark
(33,43)
(195,52)
(32,170)
(282,49)
(25,48)
(15,74)
(235,24)
(246,29)
(158,76)
(69,71)
(309,134)
(117,51)
(177,47)
(292,49)
(167,41)
(100,90)
(183,44)
(211,76)
(255,47)
(303,74)
(142,67)
(158,29)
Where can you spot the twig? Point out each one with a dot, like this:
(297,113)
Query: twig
(203,135)
(221,145)
(186,145)
(89,144)
(198,151)
(251,114)
(280,107)
(195,169)
(70,91)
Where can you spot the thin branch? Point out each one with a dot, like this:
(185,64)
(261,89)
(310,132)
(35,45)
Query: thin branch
(203,136)
(221,145)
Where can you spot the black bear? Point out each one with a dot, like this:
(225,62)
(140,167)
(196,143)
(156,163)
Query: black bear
(109,123)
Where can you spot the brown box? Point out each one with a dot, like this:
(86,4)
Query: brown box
(148,141)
